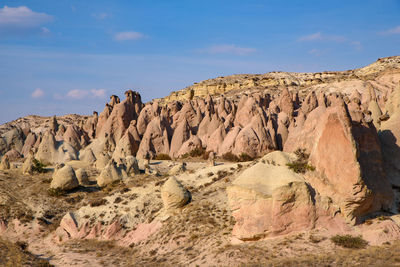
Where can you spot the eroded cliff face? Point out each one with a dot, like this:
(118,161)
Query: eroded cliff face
(387,67)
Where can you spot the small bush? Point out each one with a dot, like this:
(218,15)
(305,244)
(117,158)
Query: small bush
(38,166)
(98,202)
(163,157)
(197,152)
(348,241)
(230,157)
(300,167)
(245,157)
(301,164)
(233,158)
(55,192)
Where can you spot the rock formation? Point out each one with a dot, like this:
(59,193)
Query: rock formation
(174,195)
(64,178)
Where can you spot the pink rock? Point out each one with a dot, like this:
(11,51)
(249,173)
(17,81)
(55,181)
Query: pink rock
(180,136)
(142,232)
(193,143)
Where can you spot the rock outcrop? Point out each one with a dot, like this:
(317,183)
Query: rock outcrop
(268,200)
(174,194)
(64,178)
(110,174)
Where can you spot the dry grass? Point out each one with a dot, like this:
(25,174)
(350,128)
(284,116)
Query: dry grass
(233,158)
(16,255)
(162,157)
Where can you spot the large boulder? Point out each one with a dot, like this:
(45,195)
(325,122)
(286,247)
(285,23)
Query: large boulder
(174,194)
(110,174)
(268,200)
(82,176)
(347,158)
(64,178)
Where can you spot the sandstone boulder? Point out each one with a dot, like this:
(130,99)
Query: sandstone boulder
(110,174)
(174,194)
(177,169)
(268,200)
(64,179)
(82,176)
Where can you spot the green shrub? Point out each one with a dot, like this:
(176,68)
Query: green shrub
(348,241)
(229,156)
(300,167)
(241,158)
(38,166)
(55,192)
(197,152)
(163,157)
(301,164)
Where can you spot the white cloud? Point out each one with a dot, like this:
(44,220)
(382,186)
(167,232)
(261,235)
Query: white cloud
(22,18)
(395,30)
(316,52)
(130,35)
(318,36)
(98,92)
(81,94)
(311,37)
(45,30)
(77,94)
(357,45)
(101,15)
(37,93)
(228,49)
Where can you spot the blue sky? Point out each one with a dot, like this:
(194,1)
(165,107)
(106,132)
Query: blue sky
(60,57)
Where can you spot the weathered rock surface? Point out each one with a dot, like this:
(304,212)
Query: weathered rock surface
(110,174)
(268,200)
(64,179)
(174,194)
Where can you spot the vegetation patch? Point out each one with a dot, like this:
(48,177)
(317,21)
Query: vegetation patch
(301,164)
(195,153)
(233,158)
(163,157)
(38,166)
(55,192)
(349,241)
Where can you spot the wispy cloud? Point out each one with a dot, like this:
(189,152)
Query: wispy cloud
(81,94)
(129,35)
(357,45)
(77,94)
(21,19)
(101,15)
(395,30)
(319,36)
(317,52)
(100,93)
(37,93)
(228,49)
